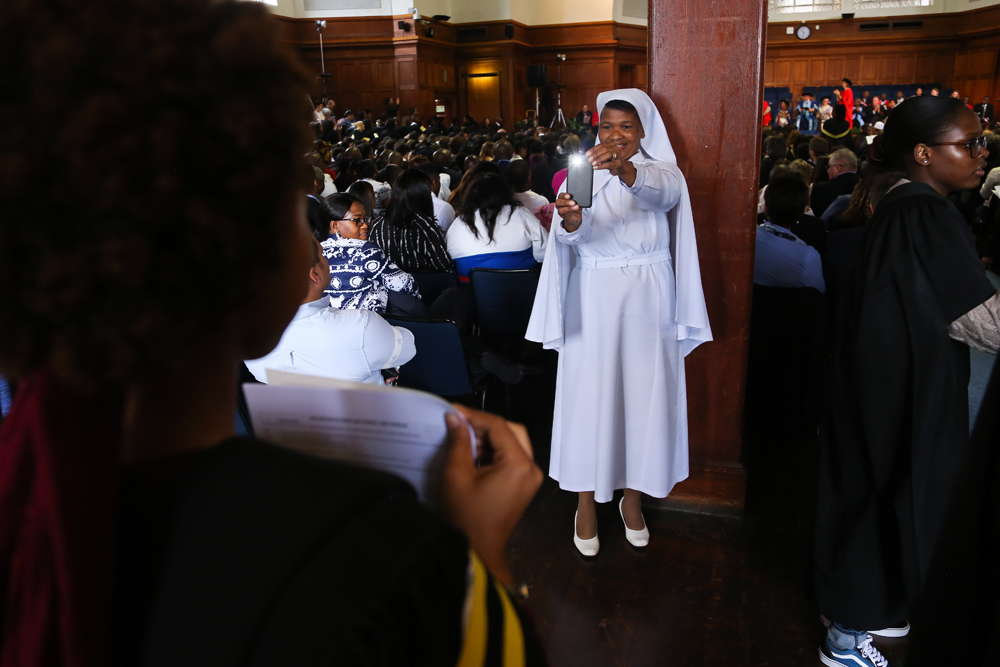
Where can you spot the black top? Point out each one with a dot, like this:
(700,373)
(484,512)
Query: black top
(825,192)
(420,246)
(250,554)
(899,407)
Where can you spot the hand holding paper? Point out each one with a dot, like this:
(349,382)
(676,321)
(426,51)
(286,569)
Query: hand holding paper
(487,502)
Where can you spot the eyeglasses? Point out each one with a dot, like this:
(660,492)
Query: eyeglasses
(358,221)
(975,146)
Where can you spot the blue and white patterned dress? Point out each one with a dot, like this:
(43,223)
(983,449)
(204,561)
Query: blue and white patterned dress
(361,276)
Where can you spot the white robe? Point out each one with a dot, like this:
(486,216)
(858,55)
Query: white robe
(621,300)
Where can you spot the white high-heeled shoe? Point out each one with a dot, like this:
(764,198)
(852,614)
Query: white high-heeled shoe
(586,547)
(637,538)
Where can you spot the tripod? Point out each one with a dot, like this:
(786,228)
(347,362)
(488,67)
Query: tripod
(559,114)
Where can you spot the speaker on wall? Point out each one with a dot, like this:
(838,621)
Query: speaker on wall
(538,76)
(508,31)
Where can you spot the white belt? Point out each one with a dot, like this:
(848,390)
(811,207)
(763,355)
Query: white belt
(621,262)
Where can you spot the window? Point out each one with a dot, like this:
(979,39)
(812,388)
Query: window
(891,4)
(802,6)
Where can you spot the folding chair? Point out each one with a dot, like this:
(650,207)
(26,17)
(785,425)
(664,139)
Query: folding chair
(440,366)
(504,298)
(432,283)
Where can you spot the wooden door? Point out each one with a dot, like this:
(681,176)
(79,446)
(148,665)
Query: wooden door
(484,95)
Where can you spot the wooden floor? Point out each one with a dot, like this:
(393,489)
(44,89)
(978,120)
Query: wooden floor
(708,590)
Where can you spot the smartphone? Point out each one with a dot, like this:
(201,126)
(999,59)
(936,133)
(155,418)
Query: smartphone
(580,180)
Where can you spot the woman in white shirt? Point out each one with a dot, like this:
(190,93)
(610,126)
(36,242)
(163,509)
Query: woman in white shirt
(495,230)
(344,344)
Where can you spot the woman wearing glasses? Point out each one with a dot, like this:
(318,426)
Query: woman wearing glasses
(916,300)
(361,276)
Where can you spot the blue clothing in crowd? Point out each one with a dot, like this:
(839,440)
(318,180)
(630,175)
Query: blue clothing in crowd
(782,259)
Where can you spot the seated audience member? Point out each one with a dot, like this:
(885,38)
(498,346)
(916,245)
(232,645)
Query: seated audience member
(443,159)
(361,276)
(364,191)
(837,130)
(471,177)
(486,151)
(344,344)
(367,171)
(842,169)
(494,230)
(541,175)
(781,259)
(844,242)
(408,233)
(776,151)
(503,151)
(519,177)
(444,213)
(137,529)
(818,147)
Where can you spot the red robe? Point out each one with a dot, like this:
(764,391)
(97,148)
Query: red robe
(847,99)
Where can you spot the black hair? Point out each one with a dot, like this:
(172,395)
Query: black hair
(364,191)
(840,111)
(786,199)
(922,120)
(366,169)
(519,175)
(777,147)
(331,209)
(389,175)
(488,197)
(620,105)
(411,195)
(847,81)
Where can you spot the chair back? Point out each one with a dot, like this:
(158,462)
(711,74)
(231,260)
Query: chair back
(432,283)
(504,298)
(439,365)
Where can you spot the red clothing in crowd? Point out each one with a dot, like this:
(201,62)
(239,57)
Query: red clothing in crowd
(767,116)
(847,99)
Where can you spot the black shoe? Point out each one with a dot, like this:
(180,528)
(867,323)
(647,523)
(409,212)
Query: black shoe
(505,372)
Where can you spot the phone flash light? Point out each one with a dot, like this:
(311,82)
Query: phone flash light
(576,159)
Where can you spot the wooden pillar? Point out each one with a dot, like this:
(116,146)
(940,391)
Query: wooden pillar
(706,62)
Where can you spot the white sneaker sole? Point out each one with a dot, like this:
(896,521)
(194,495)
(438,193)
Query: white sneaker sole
(885,632)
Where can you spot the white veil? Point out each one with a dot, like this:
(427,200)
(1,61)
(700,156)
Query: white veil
(546,325)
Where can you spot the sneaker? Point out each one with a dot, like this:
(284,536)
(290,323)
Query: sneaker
(864,655)
(900,629)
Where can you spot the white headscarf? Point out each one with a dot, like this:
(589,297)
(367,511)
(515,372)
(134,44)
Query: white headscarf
(546,325)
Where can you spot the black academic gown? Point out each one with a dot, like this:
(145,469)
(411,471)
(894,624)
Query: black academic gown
(250,554)
(899,408)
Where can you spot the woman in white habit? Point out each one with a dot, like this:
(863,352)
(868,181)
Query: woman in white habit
(620,298)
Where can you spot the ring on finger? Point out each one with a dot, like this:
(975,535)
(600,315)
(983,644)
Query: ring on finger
(614,156)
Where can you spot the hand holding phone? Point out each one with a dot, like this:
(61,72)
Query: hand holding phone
(580,181)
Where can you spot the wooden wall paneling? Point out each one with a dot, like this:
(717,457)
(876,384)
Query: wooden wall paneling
(925,68)
(852,69)
(800,71)
(835,71)
(906,70)
(870,69)
(770,74)
(944,65)
(783,73)
(887,69)
(719,161)
(817,71)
